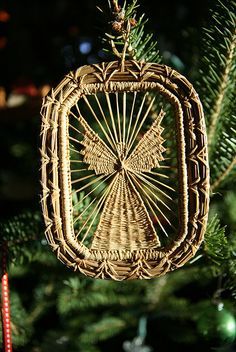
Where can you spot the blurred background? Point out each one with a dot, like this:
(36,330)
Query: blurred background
(40,41)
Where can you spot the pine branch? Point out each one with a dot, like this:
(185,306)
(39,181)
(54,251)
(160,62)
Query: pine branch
(216,246)
(217,87)
(230,280)
(218,62)
(101,294)
(127,36)
(20,232)
(227,171)
(102,330)
(223,159)
(223,85)
(221,253)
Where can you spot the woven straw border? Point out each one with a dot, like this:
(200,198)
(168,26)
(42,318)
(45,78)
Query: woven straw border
(193,170)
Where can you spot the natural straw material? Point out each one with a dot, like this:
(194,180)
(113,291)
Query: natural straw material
(124,243)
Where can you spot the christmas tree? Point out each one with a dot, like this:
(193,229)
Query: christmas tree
(191,308)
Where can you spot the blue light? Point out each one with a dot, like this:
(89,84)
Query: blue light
(85,47)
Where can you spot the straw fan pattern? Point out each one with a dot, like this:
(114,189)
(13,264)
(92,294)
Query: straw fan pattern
(125,190)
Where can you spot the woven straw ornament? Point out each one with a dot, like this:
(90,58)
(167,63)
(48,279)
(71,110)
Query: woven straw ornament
(125,190)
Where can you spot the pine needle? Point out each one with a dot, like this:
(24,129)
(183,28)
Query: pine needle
(141,46)
(217,88)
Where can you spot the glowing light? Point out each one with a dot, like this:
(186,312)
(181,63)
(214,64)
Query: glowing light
(231,326)
(85,47)
(4,16)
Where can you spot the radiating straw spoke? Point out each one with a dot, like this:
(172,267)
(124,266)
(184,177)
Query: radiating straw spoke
(78,170)
(155,196)
(90,204)
(118,115)
(84,211)
(75,140)
(96,209)
(124,116)
(111,140)
(166,167)
(89,184)
(156,218)
(146,200)
(83,178)
(159,190)
(152,201)
(159,182)
(94,189)
(137,119)
(112,116)
(75,129)
(77,119)
(106,122)
(87,220)
(131,117)
(141,124)
(157,174)
(74,150)
(77,161)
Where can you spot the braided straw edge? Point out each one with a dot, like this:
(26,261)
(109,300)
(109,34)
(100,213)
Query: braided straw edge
(192,160)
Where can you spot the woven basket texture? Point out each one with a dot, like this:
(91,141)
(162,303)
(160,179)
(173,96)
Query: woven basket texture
(124,194)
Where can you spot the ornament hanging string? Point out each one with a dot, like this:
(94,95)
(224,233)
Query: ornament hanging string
(122,27)
(5,309)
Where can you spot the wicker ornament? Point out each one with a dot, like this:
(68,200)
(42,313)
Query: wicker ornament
(116,203)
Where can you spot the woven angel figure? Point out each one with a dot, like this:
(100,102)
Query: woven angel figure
(118,179)
(124,222)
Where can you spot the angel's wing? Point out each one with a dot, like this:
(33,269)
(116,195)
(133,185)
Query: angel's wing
(148,152)
(95,152)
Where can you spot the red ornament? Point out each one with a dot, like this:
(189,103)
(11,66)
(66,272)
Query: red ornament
(6,320)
